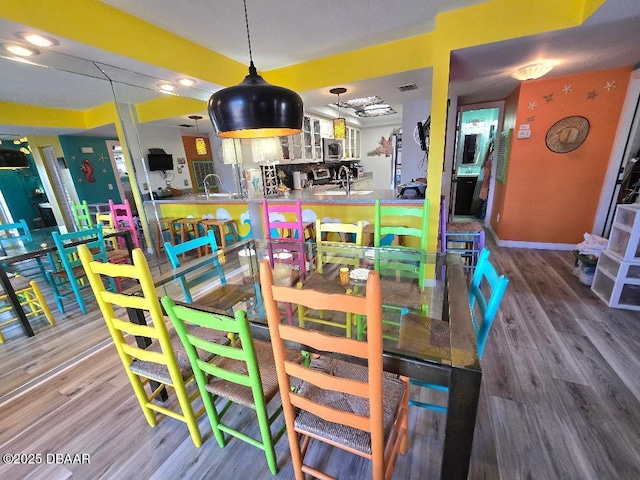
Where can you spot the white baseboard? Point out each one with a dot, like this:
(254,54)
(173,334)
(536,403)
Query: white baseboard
(530,245)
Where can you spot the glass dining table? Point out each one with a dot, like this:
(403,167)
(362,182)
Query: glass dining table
(39,243)
(428,331)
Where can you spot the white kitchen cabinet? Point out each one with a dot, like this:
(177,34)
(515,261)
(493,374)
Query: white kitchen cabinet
(352,143)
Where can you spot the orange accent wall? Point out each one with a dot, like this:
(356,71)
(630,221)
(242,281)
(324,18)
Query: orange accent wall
(550,197)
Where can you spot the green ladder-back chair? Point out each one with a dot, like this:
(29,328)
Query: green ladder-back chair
(225,296)
(242,373)
(485,295)
(68,279)
(81,213)
(402,221)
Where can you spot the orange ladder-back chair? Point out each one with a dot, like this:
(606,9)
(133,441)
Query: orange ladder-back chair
(375,425)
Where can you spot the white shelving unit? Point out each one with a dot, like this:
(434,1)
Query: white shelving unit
(617,277)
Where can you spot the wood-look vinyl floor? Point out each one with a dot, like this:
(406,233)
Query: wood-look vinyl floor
(560,399)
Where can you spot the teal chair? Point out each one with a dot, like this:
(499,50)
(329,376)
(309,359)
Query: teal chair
(67,278)
(19,231)
(485,295)
(225,296)
(242,373)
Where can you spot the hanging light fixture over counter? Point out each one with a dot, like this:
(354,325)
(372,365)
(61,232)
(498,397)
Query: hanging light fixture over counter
(255,108)
(339,124)
(201,145)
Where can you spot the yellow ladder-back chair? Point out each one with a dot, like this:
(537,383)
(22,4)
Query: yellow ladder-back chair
(165,361)
(30,296)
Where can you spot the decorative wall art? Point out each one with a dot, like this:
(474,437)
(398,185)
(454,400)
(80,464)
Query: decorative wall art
(384,145)
(87,169)
(567,134)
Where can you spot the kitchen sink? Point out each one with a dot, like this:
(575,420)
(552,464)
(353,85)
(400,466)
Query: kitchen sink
(332,192)
(361,192)
(221,194)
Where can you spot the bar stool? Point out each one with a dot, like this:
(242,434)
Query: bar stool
(219,225)
(190,228)
(166,225)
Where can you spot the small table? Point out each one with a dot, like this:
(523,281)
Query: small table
(14,250)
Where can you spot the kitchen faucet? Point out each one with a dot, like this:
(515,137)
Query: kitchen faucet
(347,174)
(206,185)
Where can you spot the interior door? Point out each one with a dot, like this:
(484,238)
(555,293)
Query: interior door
(453,191)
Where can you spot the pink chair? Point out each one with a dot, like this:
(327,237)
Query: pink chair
(286,234)
(123,219)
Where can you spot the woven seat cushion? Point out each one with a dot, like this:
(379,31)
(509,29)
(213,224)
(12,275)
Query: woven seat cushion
(18,282)
(463,227)
(160,372)
(396,294)
(393,390)
(117,254)
(266,363)
(78,272)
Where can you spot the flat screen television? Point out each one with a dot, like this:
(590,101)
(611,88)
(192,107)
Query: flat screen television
(423,134)
(160,161)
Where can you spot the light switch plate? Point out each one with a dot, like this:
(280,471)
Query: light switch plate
(86,149)
(524,134)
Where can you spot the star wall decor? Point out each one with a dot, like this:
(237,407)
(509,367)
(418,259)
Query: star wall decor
(73,158)
(567,89)
(548,98)
(591,95)
(102,157)
(532,105)
(610,85)
(104,170)
(80,180)
(531,119)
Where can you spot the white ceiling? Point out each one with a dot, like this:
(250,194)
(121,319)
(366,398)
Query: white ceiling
(285,32)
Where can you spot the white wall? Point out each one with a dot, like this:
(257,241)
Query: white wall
(380,165)
(413,165)
(169,139)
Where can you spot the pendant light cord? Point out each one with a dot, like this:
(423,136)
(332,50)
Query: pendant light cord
(338,105)
(252,68)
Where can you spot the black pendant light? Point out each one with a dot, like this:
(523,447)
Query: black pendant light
(255,108)
(12,159)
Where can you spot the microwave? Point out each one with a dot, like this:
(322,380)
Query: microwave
(332,150)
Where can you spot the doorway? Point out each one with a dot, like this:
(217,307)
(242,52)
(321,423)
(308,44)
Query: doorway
(476,130)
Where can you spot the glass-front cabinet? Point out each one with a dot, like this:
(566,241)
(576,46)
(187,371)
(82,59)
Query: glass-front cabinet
(352,143)
(305,146)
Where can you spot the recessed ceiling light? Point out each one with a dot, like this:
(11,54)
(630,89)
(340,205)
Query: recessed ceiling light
(20,50)
(38,40)
(187,82)
(167,87)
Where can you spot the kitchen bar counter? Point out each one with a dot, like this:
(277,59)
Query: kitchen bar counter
(324,202)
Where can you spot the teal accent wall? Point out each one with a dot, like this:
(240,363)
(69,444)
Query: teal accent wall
(18,188)
(92,192)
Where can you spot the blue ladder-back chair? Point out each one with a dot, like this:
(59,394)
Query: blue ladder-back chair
(225,296)
(485,295)
(28,268)
(68,278)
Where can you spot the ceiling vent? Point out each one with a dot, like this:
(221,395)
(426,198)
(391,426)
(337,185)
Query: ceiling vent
(407,87)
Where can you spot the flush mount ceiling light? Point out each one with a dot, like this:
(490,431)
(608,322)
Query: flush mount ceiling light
(187,82)
(255,108)
(20,50)
(37,40)
(532,71)
(375,110)
(201,145)
(359,103)
(339,124)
